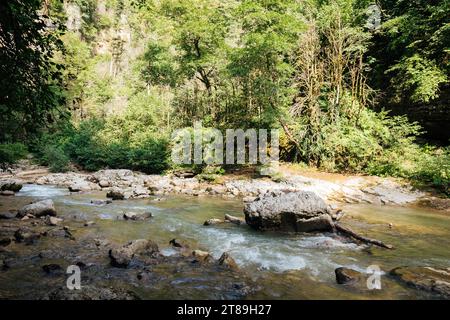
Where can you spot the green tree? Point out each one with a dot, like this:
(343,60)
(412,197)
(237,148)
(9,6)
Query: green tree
(30,81)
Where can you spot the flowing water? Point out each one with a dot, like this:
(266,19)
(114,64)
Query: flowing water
(284,266)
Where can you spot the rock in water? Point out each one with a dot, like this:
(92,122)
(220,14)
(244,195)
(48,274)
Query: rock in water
(213,221)
(38,209)
(175,243)
(233,219)
(298,211)
(122,257)
(7,215)
(137,216)
(347,276)
(201,256)
(116,194)
(227,261)
(26,235)
(81,186)
(10,185)
(52,269)
(433,280)
(52,221)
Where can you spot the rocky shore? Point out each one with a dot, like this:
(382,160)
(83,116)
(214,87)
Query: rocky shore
(126,184)
(36,239)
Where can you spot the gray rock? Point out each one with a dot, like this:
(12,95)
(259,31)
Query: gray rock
(116,194)
(104,183)
(137,216)
(52,221)
(122,257)
(7,193)
(83,186)
(7,215)
(293,211)
(38,209)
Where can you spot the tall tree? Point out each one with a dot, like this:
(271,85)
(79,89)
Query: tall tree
(30,81)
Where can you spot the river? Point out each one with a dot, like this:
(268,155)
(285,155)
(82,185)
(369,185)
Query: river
(282,266)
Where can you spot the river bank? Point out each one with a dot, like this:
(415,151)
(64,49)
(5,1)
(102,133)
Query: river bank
(334,188)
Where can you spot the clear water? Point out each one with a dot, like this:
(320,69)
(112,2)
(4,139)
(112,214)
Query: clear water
(296,266)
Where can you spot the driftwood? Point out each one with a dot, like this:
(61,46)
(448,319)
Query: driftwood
(351,233)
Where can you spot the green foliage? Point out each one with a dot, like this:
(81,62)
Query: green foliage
(87,146)
(410,50)
(372,142)
(55,158)
(425,165)
(434,168)
(302,66)
(11,152)
(30,81)
(419,76)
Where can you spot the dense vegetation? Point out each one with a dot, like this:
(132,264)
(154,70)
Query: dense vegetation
(326,72)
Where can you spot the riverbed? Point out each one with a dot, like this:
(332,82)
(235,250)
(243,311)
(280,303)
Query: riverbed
(277,266)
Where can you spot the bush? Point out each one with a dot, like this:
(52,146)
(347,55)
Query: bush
(434,169)
(88,146)
(150,157)
(56,159)
(10,153)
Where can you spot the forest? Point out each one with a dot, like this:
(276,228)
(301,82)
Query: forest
(355,86)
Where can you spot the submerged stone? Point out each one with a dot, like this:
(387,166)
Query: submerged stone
(429,279)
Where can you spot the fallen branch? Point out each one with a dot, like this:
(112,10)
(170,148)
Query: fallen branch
(351,233)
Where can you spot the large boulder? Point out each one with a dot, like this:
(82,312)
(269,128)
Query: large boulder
(429,279)
(83,186)
(38,209)
(297,211)
(122,257)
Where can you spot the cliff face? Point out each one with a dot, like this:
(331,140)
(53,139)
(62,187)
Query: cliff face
(113,45)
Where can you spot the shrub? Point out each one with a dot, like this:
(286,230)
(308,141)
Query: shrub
(150,157)
(10,153)
(56,159)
